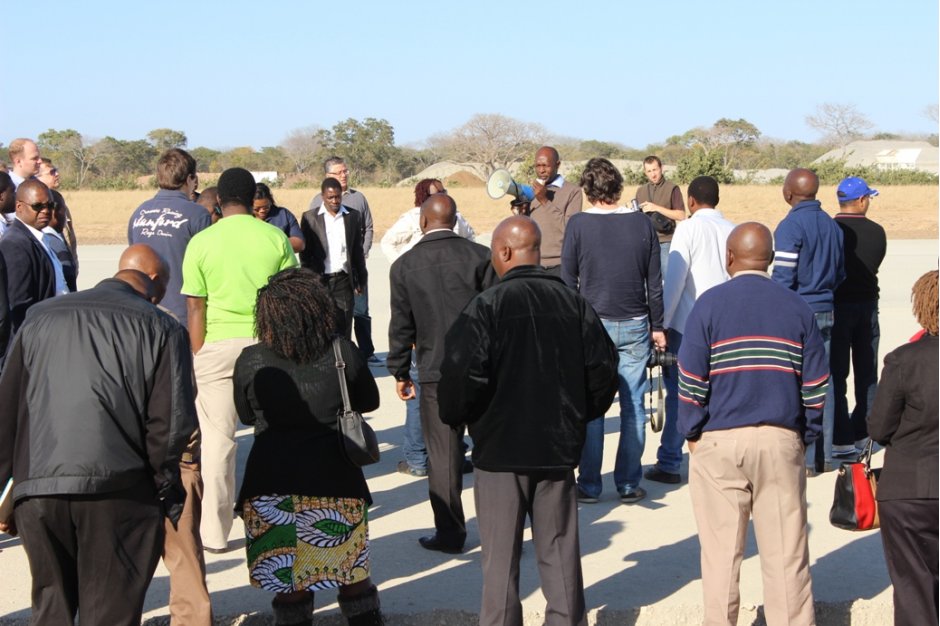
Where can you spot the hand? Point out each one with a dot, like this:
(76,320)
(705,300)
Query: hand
(405,389)
(692,445)
(358,291)
(541,192)
(8,527)
(659,340)
(649,206)
(519,208)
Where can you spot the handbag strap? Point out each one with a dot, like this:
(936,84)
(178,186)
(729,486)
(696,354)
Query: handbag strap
(341,372)
(865,456)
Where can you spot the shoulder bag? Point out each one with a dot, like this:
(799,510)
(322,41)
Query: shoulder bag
(356,438)
(854,506)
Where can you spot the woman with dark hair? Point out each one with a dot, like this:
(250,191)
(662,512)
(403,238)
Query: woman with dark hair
(904,419)
(305,506)
(406,232)
(266,209)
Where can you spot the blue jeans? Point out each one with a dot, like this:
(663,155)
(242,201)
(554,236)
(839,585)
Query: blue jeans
(663,258)
(632,338)
(669,454)
(362,323)
(816,457)
(855,330)
(416,453)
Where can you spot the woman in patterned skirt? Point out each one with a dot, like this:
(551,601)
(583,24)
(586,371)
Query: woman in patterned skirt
(305,506)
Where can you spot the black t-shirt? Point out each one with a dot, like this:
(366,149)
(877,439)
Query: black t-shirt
(865,243)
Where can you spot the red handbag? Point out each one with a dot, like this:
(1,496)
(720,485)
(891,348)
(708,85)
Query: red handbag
(854,506)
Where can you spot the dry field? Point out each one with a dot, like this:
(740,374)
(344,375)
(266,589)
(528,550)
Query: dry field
(906,212)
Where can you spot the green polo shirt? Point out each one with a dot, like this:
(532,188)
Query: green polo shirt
(226,264)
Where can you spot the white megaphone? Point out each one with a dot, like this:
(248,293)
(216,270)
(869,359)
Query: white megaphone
(501,183)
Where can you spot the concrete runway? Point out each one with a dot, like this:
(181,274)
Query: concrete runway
(641,561)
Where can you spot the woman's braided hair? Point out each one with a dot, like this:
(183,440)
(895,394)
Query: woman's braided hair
(295,315)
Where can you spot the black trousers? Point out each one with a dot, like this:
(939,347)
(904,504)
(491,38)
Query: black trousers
(445,469)
(503,500)
(340,287)
(909,535)
(91,555)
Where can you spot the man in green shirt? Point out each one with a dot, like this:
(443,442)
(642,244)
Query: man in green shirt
(223,269)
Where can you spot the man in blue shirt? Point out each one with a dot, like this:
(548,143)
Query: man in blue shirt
(169,220)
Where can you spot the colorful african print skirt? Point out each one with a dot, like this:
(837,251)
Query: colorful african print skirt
(302,542)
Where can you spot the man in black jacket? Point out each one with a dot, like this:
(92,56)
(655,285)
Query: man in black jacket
(526,365)
(333,236)
(430,285)
(96,406)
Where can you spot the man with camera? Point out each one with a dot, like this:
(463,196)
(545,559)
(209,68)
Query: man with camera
(661,200)
(696,264)
(556,200)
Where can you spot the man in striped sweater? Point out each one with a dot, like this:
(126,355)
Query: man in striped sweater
(753,375)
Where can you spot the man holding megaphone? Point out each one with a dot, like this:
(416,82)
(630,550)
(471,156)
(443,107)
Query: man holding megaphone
(556,200)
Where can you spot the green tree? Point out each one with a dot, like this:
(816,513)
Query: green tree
(206,159)
(68,147)
(369,148)
(702,162)
(164,139)
(489,141)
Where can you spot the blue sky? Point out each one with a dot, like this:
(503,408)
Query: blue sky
(246,73)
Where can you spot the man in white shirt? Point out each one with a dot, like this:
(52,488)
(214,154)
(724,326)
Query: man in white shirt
(24,160)
(696,264)
(333,236)
(7,201)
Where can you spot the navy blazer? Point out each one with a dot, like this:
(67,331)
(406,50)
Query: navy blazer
(316,249)
(29,271)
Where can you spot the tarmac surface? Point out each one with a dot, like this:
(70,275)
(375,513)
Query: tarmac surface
(640,561)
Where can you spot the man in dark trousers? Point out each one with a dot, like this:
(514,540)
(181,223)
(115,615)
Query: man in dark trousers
(333,236)
(430,286)
(526,364)
(855,329)
(95,456)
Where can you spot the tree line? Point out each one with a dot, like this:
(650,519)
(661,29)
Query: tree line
(485,142)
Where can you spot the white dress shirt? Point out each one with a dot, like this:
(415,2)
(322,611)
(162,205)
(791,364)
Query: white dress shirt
(696,263)
(335,260)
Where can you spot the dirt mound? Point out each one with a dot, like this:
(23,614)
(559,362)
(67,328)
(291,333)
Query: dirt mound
(463,179)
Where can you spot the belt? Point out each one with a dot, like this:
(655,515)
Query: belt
(335,274)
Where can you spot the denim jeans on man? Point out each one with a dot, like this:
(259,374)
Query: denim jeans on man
(362,323)
(816,456)
(416,452)
(669,454)
(856,330)
(632,338)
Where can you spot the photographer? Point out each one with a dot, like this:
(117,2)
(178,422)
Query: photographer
(661,200)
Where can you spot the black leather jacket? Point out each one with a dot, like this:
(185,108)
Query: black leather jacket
(96,396)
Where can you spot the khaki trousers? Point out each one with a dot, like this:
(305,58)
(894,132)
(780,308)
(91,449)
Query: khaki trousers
(753,471)
(215,405)
(182,554)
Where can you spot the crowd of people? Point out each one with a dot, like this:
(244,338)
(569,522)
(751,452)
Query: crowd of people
(119,404)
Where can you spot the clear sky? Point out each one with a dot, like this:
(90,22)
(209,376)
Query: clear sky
(246,73)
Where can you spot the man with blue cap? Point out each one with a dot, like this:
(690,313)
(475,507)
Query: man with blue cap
(855,330)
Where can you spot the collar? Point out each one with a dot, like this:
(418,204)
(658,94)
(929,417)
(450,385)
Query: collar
(172,192)
(116,284)
(558,181)
(349,191)
(35,233)
(324,211)
(751,273)
(618,211)
(807,205)
(528,271)
(852,215)
(439,230)
(662,181)
(706,211)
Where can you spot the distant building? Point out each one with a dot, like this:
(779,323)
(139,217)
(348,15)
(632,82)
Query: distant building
(887,155)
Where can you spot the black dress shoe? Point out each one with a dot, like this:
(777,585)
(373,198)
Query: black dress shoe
(432,542)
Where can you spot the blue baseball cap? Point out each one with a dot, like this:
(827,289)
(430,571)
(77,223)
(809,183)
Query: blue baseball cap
(853,188)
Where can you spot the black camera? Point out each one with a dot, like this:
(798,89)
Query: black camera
(661,359)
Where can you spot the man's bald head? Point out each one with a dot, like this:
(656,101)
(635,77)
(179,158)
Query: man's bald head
(144,259)
(750,247)
(438,211)
(516,241)
(139,281)
(801,184)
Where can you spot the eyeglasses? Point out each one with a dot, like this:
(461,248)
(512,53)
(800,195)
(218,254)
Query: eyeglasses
(40,206)
(344,172)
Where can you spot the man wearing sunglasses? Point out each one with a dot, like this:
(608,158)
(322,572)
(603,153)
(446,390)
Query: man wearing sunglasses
(33,272)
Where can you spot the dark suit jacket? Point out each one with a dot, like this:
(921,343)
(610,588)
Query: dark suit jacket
(430,285)
(315,252)
(904,418)
(29,271)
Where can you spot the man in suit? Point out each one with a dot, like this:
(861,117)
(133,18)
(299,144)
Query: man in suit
(430,286)
(333,234)
(33,272)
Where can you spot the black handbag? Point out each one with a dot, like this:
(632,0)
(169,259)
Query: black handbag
(356,437)
(855,501)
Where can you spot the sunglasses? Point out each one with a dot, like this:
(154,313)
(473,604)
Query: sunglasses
(40,206)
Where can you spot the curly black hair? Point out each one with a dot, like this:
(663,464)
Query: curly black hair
(295,315)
